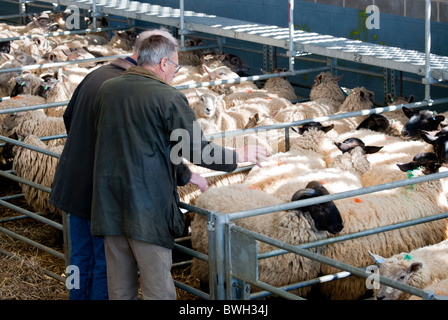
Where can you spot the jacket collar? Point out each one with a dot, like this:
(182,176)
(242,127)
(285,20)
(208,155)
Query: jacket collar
(137,70)
(122,63)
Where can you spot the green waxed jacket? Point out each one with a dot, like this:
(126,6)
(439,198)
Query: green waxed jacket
(143,127)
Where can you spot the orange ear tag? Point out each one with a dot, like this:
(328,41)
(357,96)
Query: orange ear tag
(357,200)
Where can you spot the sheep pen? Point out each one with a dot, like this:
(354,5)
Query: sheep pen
(329,167)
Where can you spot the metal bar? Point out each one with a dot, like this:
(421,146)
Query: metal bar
(32,215)
(337,196)
(251,78)
(378,110)
(359,234)
(33,243)
(274,290)
(292,49)
(334,263)
(65,33)
(195,291)
(31,147)
(427,49)
(61,64)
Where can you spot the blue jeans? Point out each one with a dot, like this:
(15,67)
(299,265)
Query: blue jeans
(87,253)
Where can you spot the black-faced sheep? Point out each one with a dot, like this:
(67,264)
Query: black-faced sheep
(420,120)
(294,227)
(380,209)
(419,268)
(438,141)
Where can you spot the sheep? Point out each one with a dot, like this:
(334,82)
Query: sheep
(380,209)
(26,83)
(326,86)
(428,161)
(359,98)
(294,227)
(211,107)
(218,58)
(420,268)
(191,57)
(123,40)
(36,123)
(20,101)
(439,143)
(439,288)
(280,86)
(39,168)
(270,102)
(306,154)
(307,110)
(224,73)
(19,59)
(420,120)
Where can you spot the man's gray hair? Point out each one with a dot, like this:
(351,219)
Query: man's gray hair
(148,33)
(154,49)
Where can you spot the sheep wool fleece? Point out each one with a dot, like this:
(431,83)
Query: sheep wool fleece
(135,188)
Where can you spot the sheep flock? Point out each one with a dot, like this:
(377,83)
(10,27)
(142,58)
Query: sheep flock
(323,157)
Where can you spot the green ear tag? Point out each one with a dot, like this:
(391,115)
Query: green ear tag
(46,87)
(407,257)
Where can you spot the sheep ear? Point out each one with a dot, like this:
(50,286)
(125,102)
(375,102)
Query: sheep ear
(427,137)
(415,267)
(304,194)
(378,259)
(439,118)
(327,128)
(338,78)
(372,149)
(407,112)
(197,92)
(411,99)
(206,69)
(406,166)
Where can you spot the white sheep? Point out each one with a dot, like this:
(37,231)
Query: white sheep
(39,168)
(293,227)
(307,110)
(381,209)
(280,86)
(359,98)
(439,288)
(36,123)
(224,73)
(419,268)
(326,86)
(19,101)
(211,107)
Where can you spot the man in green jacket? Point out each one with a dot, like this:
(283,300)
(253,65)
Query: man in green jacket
(143,128)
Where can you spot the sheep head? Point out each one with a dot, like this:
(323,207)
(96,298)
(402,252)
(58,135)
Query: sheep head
(21,84)
(207,105)
(402,268)
(220,73)
(429,162)
(439,142)
(351,143)
(420,120)
(313,124)
(326,216)
(375,122)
